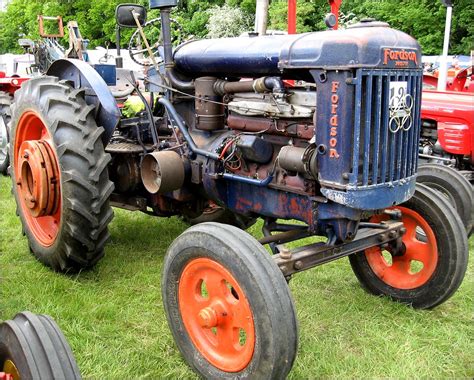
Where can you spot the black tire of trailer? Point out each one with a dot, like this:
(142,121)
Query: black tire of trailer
(454,186)
(262,284)
(452,255)
(84,183)
(5,113)
(37,348)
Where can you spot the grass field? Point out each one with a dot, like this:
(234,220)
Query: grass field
(114,320)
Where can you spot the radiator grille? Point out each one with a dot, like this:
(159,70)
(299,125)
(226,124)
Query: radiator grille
(382,156)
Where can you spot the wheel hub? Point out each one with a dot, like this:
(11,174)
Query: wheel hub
(38,180)
(208,317)
(10,372)
(217,314)
(412,261)
(37,177)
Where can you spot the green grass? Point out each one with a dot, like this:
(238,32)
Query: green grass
(114,320)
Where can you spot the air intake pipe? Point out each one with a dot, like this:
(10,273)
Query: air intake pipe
(168,53)
(274,84)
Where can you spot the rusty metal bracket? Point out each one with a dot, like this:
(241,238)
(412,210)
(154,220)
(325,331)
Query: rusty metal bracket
(312,255)
(58,19)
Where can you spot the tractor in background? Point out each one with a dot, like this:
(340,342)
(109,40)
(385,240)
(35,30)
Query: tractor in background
(8,86)
(48,50)
(447,146)
(336,150)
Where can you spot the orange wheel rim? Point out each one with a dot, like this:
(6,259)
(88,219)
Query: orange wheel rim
(423,256)
(216,315)
(37,178)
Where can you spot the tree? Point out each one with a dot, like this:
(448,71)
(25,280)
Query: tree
(227,21)
(423,19)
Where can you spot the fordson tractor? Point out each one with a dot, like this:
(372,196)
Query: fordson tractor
(317,134)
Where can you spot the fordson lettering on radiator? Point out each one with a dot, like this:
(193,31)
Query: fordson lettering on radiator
(401,58)
(334,122)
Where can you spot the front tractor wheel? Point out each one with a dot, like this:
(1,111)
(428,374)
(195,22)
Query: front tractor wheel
(59,174)
(228,305)
(433,261)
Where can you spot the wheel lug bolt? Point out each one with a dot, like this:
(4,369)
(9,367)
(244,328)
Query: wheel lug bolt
(207,317)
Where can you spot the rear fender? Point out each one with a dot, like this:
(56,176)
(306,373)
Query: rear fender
(97,92)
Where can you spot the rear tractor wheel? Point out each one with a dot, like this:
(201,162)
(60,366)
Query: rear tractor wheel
(59,174)
(33,347)
(433,263)
(5,116)
(228,305)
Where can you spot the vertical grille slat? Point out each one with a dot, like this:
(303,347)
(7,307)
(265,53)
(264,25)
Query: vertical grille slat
(368,114)
(417,126)
(377,116)
(391,137)
(358,106)
(400,138)
(384,161)
(382,156)
(408,149)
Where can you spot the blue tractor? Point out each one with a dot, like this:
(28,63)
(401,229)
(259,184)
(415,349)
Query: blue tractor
(315,133)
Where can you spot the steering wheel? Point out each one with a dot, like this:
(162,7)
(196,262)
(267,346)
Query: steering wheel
(152,31)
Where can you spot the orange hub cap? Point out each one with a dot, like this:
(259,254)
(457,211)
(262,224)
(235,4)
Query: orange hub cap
(10,372)
(416,266)
(216,315)
(37,178)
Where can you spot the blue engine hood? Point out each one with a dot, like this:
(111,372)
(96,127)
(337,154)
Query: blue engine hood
(374,46)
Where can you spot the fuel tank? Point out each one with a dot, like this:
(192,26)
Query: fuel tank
(367,45)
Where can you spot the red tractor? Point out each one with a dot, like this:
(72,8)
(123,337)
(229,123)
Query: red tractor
(8,86)
(447,134)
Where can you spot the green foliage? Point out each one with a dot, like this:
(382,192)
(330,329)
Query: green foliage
(309,15)
(424,19)
(227,21)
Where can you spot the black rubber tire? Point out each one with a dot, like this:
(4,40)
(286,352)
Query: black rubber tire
(452,255)
(37,347)
(454,186)
(225,216)
(85,184)
(276,327)
(5,113)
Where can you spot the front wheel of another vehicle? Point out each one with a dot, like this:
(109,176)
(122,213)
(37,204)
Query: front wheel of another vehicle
(433,263)
(33,347)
